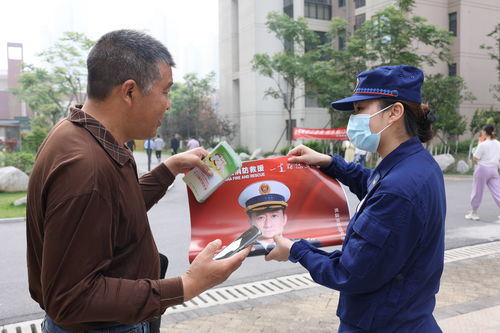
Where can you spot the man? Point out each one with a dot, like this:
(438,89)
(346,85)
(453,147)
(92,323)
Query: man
(148,147)
(92,260)
(174,144)
(360,156)
(159,144)
(192,143)
(265,204)
(130,144)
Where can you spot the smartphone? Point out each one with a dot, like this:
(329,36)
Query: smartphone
(245,239)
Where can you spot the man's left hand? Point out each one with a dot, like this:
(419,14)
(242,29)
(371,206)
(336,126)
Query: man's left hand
(183,162)
(282,250)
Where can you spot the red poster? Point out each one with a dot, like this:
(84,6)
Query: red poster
(320,133)
(276,196)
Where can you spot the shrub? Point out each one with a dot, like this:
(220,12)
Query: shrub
(33,140)
(22,161)
(285,150)
(242,150)
(314,145)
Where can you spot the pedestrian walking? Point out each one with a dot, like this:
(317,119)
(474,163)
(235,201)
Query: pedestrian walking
(192,143)
(174,144)
(487,157)
(148,147)
(158,144)
(360,157)
(392,257)
(130,144)
(93,264)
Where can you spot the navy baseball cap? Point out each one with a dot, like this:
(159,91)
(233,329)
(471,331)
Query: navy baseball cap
(401,82)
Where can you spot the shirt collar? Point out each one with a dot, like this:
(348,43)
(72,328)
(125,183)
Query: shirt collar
(116,151)
(404,150)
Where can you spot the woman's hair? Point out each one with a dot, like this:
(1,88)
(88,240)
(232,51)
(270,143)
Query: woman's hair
(490,130)
(417,118)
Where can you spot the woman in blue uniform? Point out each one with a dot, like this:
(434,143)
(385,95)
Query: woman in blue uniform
(391,261)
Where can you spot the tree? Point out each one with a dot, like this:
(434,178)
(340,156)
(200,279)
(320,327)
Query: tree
(495,55)
(445,94)
(49,91)
(390,37)
(289,69)
(192,112)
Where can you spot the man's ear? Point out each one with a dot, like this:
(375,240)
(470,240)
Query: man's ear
(128,91)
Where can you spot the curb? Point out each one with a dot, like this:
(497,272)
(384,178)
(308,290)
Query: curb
(13,219)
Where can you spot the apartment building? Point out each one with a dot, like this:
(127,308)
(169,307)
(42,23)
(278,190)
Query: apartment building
(260,121)
(10,106)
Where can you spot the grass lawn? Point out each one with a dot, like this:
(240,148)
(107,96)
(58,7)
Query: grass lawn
(7,209)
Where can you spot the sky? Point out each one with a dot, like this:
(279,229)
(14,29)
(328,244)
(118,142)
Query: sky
(189,28)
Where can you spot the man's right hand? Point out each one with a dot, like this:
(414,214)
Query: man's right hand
(183,162)
(304,154)
(205,272)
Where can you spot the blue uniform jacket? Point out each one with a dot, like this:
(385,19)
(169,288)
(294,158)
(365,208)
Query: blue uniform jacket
(391,261)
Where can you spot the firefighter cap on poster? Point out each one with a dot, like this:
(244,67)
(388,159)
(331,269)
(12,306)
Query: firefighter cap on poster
(267,194)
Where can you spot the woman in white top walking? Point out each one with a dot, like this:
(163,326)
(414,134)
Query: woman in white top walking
(487,156)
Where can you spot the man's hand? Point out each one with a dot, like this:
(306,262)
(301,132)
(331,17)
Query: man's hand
(282,250)
(303,154)
(183,162)
(205,272)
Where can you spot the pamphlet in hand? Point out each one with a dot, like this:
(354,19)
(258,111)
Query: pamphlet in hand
(245,239)
(223,161)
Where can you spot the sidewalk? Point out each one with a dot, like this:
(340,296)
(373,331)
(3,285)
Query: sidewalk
(469,301)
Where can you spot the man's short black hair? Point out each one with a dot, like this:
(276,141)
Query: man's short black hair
(123,55)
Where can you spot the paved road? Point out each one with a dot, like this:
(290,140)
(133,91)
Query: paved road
(169,222)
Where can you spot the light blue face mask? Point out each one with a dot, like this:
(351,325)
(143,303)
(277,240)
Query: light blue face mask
(360,134)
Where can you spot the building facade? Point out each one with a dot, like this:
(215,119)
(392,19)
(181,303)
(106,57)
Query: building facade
(260,121)
(10,106)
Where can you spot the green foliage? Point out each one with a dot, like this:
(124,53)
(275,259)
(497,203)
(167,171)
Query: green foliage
(444,94)
(289,69)
(484,117)
(286,149)
(50,90)
(390,37)
(494,53)
(192,113)
(32,140)
(23,161)
(7,209)
(242,150)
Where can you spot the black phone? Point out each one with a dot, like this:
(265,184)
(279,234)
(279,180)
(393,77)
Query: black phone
(245,239)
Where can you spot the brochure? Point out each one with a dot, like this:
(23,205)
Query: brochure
(277,197)
(223,161)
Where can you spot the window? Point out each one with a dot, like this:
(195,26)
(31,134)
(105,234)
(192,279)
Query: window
(359,20)
(318,9)
(341,39)
(341,3)
(452,69)
(322,39)
(288,7)
(452,22)
(359,3)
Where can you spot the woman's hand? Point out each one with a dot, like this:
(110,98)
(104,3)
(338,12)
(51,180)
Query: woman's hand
(281,251)
(303,154)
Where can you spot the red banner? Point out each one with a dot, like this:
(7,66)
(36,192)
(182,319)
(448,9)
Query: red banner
(303,201)
(320,133)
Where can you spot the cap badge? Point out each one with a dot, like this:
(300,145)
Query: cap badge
(357,85)
(264,188)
